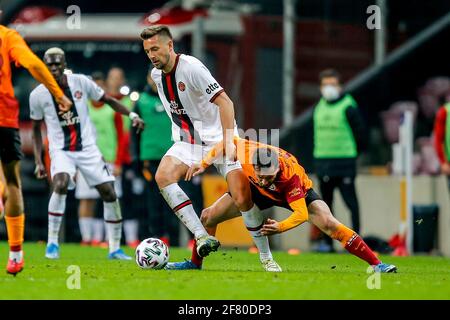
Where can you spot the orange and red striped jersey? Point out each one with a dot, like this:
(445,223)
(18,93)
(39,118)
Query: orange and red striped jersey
(14,49)
(289,187)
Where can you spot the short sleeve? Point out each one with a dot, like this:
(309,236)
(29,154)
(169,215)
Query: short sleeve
(36,112)
(203,81)
(94,92)
(293,189)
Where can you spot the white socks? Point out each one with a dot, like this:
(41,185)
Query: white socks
(182,206)
(254,221)
(56,208)
(16,255)
(113,219)
(130,227)
(98,228)
(86,224)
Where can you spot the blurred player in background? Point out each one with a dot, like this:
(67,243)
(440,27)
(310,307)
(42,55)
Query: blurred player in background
(14,49)
(442,139)
(115,86)
(72,146)
(108,126)
(202,114)
(149,147)
(277,179)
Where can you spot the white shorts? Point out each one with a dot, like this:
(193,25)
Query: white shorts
(89,161)
(84,191)
(193,153)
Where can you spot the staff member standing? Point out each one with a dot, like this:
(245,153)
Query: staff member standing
(339,136)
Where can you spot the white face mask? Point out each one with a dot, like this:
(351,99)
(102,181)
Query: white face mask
(330,92)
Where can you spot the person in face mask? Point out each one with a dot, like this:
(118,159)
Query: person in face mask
(339,136)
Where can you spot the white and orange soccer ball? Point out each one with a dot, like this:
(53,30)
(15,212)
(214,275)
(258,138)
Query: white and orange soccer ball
(152,253)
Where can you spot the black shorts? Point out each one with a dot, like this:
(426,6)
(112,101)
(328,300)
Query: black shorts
(10,147)
(264,202)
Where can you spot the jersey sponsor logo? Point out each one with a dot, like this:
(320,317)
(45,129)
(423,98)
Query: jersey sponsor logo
(181,86)
(295,192)
(175,108)
(212,87)
(78,94)
(69,119)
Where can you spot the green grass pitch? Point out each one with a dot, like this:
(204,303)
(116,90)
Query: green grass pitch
(227,274)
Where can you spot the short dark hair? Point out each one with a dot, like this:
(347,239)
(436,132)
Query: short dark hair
(265,158)
(98,75)
(329,73)
(149,32)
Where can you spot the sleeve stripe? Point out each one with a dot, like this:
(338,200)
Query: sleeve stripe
(216,95)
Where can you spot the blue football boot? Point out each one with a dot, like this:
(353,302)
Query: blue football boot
(118,255)
(185,265)
(52,251)
(385,268)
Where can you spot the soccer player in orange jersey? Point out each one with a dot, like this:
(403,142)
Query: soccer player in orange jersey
(14,49)
(277,179)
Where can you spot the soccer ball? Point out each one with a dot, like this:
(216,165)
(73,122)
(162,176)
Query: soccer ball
(152,253)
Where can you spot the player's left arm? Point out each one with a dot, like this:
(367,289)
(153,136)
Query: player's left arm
(22,55)
(117,106)
(358,126)
(226,110)
(298,216)
(295,197)
(205,83)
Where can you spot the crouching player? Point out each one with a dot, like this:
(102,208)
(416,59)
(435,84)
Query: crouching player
(277,179)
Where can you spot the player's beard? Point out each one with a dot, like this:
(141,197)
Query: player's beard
(163,64)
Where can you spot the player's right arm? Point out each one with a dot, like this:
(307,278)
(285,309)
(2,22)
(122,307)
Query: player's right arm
(37,115)
(198,168)
(22,55)
(40,171)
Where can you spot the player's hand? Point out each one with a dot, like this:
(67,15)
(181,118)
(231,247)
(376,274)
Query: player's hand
(445,168)
(40,171)
(193,171)
(230,151)
(64,104)
(138,123)
(117,171)
(270,227)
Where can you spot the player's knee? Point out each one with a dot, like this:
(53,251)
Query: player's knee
(163,178)
(242,201)
(12,180)
(206,219)
(109,195)
(60,186)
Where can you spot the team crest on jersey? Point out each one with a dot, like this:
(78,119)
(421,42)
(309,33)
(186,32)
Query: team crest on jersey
(78,94)
(181,86)
(272,187)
